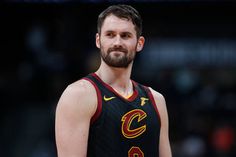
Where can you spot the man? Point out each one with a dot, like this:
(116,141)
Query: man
(106,114)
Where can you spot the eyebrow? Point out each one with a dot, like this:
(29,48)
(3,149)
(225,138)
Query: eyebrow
(110,31)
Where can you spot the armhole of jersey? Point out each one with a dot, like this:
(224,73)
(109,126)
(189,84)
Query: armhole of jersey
(99,99)
(153,102)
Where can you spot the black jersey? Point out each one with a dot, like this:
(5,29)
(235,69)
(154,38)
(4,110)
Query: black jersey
(123,127)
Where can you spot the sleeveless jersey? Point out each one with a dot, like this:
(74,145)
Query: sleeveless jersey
(123,127)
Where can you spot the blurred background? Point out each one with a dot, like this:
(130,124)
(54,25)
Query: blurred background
(189,56)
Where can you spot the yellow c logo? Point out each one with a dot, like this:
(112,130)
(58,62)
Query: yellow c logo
(127,120)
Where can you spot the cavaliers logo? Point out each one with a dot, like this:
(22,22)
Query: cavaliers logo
(128,119)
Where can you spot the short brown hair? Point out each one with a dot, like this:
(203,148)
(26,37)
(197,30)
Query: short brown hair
(121,11)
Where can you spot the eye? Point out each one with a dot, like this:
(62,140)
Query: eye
(110,34)
(126,35)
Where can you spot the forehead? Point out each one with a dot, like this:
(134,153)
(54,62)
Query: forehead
(114,23)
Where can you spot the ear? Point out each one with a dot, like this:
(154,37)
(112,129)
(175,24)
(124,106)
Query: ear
(140,44)
(98,41)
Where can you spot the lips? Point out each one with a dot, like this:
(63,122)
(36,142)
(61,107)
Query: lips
(117,50)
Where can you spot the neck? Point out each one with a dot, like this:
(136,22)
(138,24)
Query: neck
(117,78)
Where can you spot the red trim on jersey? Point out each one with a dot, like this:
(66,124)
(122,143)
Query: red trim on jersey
(135,93)
(153,102)
(131,98)
(99,105)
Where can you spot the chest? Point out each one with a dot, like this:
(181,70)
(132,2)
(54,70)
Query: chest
(131,118)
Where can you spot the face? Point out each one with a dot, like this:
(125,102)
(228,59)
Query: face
(118,42)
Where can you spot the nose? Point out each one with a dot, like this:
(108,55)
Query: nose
(117,41)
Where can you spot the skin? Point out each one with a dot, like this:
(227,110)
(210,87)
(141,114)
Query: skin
(78,102)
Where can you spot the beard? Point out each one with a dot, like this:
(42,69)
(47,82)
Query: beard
(120,60)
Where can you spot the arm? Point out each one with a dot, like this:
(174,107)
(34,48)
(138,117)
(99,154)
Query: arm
(74,111)
(164,143)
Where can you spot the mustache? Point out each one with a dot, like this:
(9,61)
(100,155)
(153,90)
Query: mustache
(121,49)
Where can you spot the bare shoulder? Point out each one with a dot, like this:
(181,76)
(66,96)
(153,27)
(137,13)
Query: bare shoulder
(80,88)
(158,97)
(160,104)
(79,96)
